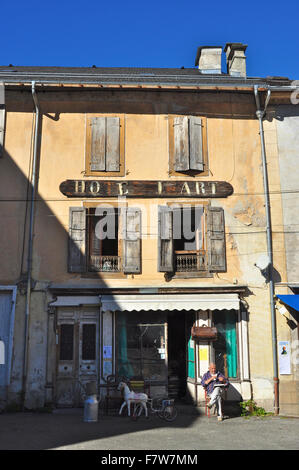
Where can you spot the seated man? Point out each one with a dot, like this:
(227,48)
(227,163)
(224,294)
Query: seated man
(211,381)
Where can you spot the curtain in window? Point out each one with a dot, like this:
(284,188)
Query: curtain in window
(191,359)
(226,354)
(231,344)
(124,366)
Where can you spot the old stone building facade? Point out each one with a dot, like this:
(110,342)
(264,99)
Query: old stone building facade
(132,208)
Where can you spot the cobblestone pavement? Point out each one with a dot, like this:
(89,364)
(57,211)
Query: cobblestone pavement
(65,429)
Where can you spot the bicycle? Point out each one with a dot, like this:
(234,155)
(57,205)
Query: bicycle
(163,407)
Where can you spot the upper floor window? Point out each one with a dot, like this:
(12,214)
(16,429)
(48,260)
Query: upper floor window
(104,247)
(105,146)
(188,151)
(105,240)
(191,240)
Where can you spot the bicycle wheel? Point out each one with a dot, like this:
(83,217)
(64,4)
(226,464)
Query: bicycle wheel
(170,413)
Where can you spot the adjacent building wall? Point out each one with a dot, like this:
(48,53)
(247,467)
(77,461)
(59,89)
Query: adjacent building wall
(287,125)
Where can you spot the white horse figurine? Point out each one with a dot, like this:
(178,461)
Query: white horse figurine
(132,397)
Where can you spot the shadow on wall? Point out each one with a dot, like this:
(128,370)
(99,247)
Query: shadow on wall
(49,235)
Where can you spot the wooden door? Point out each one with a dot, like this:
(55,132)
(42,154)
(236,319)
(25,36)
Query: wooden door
(77,354)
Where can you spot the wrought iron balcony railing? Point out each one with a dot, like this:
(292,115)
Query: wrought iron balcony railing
(105,263)
(190,261)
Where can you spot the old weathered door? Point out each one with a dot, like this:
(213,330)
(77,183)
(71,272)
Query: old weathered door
(77,353)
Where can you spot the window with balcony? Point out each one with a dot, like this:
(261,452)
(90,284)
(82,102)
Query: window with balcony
(191,240)
(104,249)
(104,240)
(188,239)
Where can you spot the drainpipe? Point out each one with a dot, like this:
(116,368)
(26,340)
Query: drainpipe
(30,244)
(260,114)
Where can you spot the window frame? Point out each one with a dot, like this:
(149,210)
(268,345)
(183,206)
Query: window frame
(148,321)
(238,353)
(104,274)
(194,274)
(88,171)
(195,173)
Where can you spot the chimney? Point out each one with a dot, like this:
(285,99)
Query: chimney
(208,59)
(236,59)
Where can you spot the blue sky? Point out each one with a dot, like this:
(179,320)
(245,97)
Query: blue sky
(149,33)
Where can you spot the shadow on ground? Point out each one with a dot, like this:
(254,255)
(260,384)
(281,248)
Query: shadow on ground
(65,427)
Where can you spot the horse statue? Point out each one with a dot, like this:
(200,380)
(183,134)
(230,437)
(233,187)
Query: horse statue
(132,397)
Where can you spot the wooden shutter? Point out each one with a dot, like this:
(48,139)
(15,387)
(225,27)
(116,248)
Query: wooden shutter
(131,240)
(112,144)
(181,143)
(105,144)
(165,239)
(2,117)
(216,240)
(98,144)
(77,240)
(195,142)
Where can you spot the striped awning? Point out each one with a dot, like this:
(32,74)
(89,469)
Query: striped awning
(170,302)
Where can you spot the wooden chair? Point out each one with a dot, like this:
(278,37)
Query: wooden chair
(139,385)
(112,395)
(207,400)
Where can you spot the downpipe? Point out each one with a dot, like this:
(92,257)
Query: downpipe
(260,114)
(30,245)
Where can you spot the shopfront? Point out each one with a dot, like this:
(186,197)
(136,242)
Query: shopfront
(149,337)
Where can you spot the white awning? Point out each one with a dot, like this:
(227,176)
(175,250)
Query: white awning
(75,300)
(170,302)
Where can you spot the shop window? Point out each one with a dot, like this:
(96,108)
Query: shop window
(191,240)
(188,145)
(226,347)
(140,346)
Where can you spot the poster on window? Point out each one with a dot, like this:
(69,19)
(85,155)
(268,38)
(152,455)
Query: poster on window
(107,352)
(107,368)
(284,357)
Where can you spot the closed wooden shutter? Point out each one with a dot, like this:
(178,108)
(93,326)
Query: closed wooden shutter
(165,239)
(131,219)
(2,117)
(181,143)
(112,144)
(216,240)
(98,144)
(195,142)
(77,240)
(105,144)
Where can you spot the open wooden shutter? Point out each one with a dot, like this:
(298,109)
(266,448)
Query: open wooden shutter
(216,240)
(181,143)
(131,240)
(195,143)
(165,239)
(2,117)
(77,240)
(105,144)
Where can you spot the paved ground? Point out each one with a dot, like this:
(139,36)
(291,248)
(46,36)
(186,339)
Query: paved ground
(65,429)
